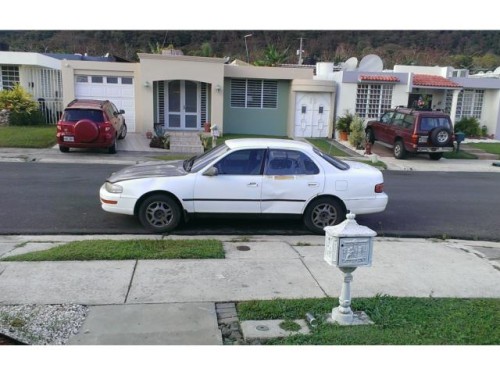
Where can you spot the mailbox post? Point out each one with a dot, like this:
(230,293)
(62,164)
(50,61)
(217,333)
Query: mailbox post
(348,245)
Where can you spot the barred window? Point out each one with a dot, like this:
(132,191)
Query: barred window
(9,77)
(254,93)
(469,104)
(372,100)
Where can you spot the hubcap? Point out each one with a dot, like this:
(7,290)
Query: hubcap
(324,215)
(442,137)
(159,214)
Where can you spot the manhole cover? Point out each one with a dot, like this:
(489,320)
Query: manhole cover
(243,248)
(262,328)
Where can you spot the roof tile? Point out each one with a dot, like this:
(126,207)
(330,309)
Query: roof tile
(433,81)
(378,78)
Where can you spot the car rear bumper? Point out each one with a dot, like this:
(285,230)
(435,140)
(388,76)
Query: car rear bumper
(100,143)
(434,149)
(368,205)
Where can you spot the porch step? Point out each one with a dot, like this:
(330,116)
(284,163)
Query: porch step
(185,142)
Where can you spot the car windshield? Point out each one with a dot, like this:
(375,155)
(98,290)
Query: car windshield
(196,163)
(77,114)
(337,163)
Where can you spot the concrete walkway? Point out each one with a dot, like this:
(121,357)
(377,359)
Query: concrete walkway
(173,301)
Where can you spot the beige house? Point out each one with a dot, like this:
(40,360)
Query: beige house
(185,92)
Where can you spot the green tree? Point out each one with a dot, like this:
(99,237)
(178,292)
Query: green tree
(272,57)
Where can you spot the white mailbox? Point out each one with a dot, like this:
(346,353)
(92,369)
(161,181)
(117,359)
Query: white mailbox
(349,244)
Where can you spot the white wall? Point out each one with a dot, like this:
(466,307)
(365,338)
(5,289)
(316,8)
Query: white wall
(490,115)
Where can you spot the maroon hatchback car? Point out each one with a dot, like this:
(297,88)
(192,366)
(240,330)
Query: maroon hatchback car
(90,124)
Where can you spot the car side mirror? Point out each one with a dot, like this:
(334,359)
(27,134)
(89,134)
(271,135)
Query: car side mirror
(212,171)
(122,112)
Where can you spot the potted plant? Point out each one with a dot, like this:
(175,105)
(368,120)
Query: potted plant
(343,125)
(356,132)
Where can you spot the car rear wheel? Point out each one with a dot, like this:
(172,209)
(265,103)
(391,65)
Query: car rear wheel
(112,148)
(63,149)
(159,213)
(323,212)
(399,150)
(436,156)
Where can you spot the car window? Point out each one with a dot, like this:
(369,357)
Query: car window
(242,162)
(289,162)
(408,121)
(77,114)
(398,119)
(429,123)
(337,163)
(386,118)
(196,163)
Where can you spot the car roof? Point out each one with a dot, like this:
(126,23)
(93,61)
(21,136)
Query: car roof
(87,103)
(413,111)
(267,143)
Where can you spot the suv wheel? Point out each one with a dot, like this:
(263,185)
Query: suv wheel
(399,149)
(112,148)
(436,156)
(63,149)
(440,136)
(123,131)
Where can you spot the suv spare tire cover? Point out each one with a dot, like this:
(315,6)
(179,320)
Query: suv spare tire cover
(440,136)
(86,131)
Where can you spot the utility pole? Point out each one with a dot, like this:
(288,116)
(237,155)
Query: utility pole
(299,52)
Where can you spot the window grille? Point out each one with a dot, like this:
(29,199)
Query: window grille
(9,77)
(254,93)
(372,100)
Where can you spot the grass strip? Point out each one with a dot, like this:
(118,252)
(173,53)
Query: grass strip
(126,250)
(397,321)
(491,148)
(40,136)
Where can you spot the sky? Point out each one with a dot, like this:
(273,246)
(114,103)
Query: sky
(252,15)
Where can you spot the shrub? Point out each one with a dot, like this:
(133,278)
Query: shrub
(357,132)
(469,126)
(17,100)
(27,118)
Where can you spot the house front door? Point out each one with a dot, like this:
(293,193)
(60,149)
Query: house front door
(183,105)
(312,114)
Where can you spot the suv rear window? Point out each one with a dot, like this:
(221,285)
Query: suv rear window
(429,123)
(77,114)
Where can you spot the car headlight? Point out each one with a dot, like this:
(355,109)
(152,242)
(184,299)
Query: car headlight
(113,188)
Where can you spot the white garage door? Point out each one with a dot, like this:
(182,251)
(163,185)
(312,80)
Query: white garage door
(119,90)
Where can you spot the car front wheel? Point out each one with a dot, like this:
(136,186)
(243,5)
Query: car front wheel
(159,213)
(123,131)
(323,212)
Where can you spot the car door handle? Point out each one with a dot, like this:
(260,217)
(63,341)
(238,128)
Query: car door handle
(252,184)
(312,184)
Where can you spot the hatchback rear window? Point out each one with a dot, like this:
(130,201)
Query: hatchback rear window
(429,123)
(77,114)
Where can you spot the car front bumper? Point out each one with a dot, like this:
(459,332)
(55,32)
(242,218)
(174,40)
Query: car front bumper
(116,203)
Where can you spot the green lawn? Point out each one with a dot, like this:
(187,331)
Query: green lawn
(398,321)
(127,249)
(39,136)
(458,155)
(492,148)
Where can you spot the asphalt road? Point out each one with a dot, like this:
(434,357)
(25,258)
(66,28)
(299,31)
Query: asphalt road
(43,198)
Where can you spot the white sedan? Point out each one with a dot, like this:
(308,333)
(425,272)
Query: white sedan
(246,176)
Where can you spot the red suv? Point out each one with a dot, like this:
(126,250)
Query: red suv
(412,131)
(90,124)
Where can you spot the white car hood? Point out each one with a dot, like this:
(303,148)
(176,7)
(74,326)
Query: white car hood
(148,170)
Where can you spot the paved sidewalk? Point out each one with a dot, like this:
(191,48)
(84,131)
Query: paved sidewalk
(173,301)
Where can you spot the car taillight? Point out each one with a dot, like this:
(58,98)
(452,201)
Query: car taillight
(59,127)
(107,127)
(379,188)
(414,139)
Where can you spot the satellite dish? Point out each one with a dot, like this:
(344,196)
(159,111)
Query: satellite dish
(350,64)
(371,63)
(497,70)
